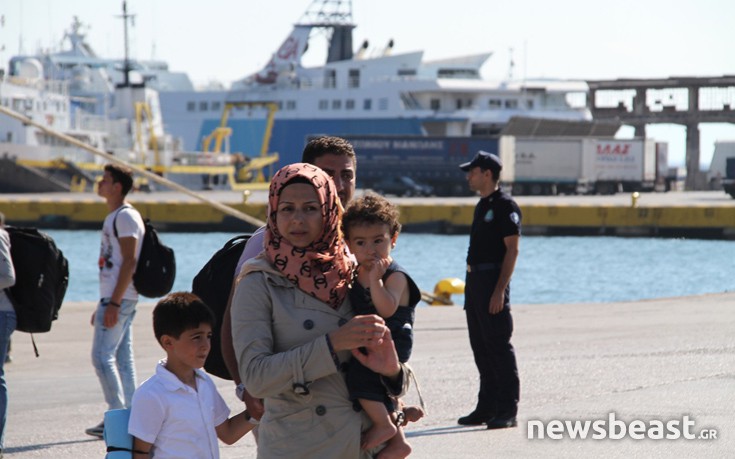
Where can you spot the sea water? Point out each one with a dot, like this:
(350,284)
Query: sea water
(549,269)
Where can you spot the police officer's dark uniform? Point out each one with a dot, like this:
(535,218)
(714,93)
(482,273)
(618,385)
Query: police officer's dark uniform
(496,217)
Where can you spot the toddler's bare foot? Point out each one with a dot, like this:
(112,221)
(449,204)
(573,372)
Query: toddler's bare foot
(412,413)
(397,448)
(378,434)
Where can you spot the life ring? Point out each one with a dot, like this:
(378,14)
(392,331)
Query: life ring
(444,289)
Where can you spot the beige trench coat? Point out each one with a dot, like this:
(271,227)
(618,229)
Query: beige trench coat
(279,338)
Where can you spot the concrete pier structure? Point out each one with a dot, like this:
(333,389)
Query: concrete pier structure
(675,214)
(687,101)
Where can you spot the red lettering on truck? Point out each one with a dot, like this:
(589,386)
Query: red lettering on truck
(617,149)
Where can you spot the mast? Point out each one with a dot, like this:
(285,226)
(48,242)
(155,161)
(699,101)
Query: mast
(126,64)
(337,16)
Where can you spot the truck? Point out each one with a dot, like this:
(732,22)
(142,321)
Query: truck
(722,168)
(728,183)
(584,165)
(432,161)
(531,165)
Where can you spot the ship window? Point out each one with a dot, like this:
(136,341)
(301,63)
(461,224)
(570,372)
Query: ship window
(367,104)
(406,72)
(203,106)
(290,105)
(330,78)
(323,104)
(350,104)
(383,103)
(435,104)
(495,103)
(457,73)
(354,79)
(216,106)
(336,104)
(190,106)
(511,103)
(279,105)
(529,104)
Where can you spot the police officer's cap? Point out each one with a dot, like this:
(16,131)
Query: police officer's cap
(485,161)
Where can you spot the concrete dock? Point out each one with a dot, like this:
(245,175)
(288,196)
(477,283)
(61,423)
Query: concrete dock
(648,360)
(708,214)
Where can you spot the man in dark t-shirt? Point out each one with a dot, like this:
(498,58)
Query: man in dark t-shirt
(491,258)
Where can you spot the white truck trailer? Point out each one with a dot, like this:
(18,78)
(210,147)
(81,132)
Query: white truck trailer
(563,165)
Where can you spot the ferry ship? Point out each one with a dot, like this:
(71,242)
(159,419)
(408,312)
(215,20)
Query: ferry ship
(354,93)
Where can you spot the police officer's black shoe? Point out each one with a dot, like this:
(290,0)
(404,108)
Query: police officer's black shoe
(475,419)
(502,423)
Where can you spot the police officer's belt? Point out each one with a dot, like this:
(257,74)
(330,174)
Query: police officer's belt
(483,267)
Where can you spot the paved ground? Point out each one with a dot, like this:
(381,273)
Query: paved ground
(648,360)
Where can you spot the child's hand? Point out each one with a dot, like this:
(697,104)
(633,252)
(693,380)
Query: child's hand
(377,270)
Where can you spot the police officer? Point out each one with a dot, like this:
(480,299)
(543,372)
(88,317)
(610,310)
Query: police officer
(491,258)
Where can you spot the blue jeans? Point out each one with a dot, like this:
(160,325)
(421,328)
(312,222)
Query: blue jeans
(7,326)
(112,354)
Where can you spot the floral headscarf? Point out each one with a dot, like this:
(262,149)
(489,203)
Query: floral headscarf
(324,268)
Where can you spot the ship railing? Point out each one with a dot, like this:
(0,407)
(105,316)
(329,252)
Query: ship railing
(53,86)
(198,158)
(305,82)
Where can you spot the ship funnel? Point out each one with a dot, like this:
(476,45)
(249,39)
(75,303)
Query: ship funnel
(363,49)
(340,46)
(388,48)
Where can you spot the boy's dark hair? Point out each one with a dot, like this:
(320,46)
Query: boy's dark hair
(371,209)
(122,175)
(178,312)
(328,145)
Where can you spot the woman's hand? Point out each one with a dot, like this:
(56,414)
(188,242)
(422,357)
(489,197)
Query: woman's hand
(381,356)
(368,332)
(360,331)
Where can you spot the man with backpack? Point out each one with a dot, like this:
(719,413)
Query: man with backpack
(112,347)
(7,320)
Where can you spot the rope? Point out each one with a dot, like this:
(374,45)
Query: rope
(150,175)
(412,375)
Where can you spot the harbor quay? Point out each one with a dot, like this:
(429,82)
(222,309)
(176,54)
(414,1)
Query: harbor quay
(704,214)
(667,361)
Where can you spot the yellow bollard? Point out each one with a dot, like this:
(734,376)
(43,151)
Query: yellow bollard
(634,199)
(444,290)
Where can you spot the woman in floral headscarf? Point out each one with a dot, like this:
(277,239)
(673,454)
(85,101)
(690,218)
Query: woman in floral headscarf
(293,329)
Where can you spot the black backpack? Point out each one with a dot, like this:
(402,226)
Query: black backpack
(155,271)
(41,279)
(213,284)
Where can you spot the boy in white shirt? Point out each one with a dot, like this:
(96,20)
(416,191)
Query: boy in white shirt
(178,413)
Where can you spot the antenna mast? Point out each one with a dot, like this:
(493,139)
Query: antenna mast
(126,65)
(328,12)
(334,16)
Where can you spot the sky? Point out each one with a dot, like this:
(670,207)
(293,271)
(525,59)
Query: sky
(221,40)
